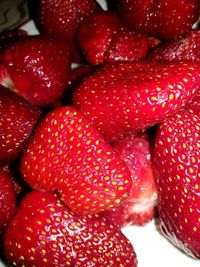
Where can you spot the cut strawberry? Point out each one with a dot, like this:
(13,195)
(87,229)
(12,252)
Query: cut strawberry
(121,98)
(38,67)
(186,48)
(139,208)
(164,19)
(67,154)
(49,234)
(7,199)
(177,163)
(103,38)
(17,120)
(62,18)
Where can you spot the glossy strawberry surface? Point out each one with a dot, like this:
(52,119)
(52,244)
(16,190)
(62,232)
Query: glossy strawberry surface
(17,119)
(162,19)
(67,154)
(38,67)
(50,234)
(8,201)
(177,151)
(122,98)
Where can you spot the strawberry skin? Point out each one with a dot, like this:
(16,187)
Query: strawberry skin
(32,64)
(140,206)
(61,19)
(7,199)
(50,234)
(177,164)
(164,19)
(68,155)
(103,38)
(186,48)
(9,36)
(17,119)
(124,97)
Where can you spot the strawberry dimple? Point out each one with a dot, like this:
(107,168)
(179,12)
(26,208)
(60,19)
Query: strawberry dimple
(125,97)
(177,151)
(67,154)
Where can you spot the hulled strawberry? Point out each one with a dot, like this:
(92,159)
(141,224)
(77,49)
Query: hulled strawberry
(103,38)
(162,19)
(7,199)
(177,163)
(186,48)
(139,208)
(68,155)
(17,120)
(124,97)
(62,18)
(38,67)
(50,234)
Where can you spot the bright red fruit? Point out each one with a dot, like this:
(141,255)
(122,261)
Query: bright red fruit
(7,199)
(68,155)
(50,234)
(177,164)
(164,19)
(186,48)
(139,208)
(124,97)
(62,18)
(17,120)
(38,67)
(103,38)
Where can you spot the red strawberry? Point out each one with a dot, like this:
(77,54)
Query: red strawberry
(186,48)
(139,207)
(7,199)
(9,36)
(39,68)
(49,234)
(177,163)
(103,38)
(164,19)
(68,155)
(17,120)
(61,19)
(121,98)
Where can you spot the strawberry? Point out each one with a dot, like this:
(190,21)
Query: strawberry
(61,19)
(103,38)
(32,64)
(7,199)
(164,19)
(68,155)
(50,234)
(186,48)
(124,97)
(17,119)
(10,36)
(139,207)
(177,164)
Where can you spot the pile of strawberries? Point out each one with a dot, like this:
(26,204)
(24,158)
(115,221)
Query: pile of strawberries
(115,141)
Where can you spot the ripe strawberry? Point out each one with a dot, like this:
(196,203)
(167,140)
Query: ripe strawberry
(177,163)
(121,98)
(186,48)
(7,199)
(139,207)
(103,38)
(68,155)
(17,120)
(61,19)
(7,37)
(32,64)
(50,234)
(164,19)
